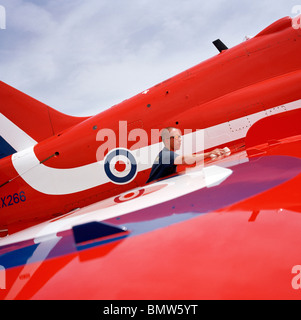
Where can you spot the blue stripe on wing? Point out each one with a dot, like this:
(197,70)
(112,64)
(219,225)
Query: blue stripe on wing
(5,148)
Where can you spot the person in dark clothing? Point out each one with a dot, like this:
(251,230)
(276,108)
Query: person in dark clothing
(164,165)
(167,160)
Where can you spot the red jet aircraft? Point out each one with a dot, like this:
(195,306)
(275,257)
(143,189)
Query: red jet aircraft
(78,220)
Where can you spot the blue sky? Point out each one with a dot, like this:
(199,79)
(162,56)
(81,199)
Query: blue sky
(83,56)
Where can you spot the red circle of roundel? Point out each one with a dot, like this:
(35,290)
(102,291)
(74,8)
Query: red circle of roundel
(120,166)
(129,196)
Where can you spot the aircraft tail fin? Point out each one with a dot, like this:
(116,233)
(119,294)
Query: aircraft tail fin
(25,121)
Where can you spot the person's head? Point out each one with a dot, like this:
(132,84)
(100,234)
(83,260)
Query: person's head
(171,138)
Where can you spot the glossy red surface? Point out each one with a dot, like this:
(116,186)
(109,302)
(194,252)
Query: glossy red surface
(245,250)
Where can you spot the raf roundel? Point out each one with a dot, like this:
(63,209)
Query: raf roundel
(120,166)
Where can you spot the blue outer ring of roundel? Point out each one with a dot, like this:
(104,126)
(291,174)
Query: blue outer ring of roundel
(130,176)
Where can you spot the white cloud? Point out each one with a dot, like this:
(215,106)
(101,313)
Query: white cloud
(83,56)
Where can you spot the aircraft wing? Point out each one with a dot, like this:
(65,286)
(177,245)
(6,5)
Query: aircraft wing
(230,230)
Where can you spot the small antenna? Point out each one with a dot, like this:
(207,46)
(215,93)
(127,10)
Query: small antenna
(220,46)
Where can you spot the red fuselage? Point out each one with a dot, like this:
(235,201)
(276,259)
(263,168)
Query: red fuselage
(257,75)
